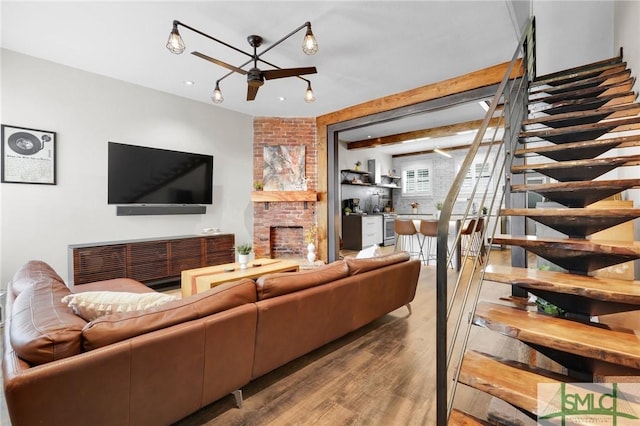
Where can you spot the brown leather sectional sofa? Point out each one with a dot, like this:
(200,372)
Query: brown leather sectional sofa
(156,366)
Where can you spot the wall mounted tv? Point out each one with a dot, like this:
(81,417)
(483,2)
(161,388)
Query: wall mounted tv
(140,175)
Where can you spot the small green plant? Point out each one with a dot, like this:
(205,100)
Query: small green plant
(310,234)
(347,210)
(439,205)
(244,248)
(258,186)
(484,210)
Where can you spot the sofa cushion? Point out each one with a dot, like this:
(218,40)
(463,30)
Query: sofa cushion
(30,273)
(272,285)
(93,304)
(358,266)
(42,327)
(116,327)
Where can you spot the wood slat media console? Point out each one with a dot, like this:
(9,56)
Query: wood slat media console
(150,261)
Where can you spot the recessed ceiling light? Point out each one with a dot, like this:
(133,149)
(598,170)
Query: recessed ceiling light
(282,98)
(189,83)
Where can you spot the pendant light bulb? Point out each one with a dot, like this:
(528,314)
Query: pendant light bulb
(175,44)
(217,97)
(309,96)
(309,44)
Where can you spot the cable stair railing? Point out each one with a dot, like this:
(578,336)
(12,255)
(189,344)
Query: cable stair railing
(486,165)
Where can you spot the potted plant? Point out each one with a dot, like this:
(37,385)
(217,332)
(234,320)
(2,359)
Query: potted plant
(243,254)
(414,207)
(258,186)
(358,164)
(347,211)
(439,206)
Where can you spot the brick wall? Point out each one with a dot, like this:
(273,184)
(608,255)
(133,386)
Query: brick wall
(274,225)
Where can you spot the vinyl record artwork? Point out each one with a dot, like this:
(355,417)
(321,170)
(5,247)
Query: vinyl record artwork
(28,155)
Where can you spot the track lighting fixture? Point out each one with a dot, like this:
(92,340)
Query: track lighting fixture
(441,152)
(255,76)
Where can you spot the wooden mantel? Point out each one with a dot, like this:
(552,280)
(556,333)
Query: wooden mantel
(283,196)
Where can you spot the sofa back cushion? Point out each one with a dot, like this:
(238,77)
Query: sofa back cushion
(30,273)
(359,266)
(113,328)
(272,285)
(42,327)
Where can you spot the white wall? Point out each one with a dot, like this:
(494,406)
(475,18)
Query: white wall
(87,110)
(572,33)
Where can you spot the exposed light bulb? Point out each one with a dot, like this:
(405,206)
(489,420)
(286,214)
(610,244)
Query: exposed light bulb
(217,97)
(175,44)
(309,96)
(309,44)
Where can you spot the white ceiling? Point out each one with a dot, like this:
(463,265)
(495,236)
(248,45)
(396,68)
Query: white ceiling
(366,49)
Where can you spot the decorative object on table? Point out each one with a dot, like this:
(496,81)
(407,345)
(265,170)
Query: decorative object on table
(28,155)
(284,168)
(414,207)
(255,76)
(310,239)
(243,255)
(357,166)
(439,206)
(484,211)
(258,186)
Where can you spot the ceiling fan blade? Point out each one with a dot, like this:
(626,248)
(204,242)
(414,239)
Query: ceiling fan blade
(219,62)
(288,72)
(252,91)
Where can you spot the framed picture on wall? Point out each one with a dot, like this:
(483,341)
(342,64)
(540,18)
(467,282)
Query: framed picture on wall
(28,155)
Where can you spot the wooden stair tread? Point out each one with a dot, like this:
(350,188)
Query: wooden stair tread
(576,255)
(576,170)
(611,112)
(605,124)
(569,105)
(579,71)
(611,75)
(460,418)
(590,341)
(579,193)
(604,289)
(511,381)
(590,92)
(598,146)
(577,222)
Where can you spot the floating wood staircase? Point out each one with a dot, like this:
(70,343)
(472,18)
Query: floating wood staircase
(576,117)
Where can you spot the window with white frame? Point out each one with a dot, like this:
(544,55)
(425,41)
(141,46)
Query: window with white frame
(417,181)
(477,173)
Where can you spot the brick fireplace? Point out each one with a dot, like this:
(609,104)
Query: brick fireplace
(278,227)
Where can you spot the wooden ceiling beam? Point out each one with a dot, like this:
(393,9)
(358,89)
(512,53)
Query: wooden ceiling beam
(449,148)
(434,132)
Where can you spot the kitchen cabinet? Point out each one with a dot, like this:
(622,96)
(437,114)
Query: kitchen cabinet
(360,231)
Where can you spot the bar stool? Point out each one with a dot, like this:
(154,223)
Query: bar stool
(405,229)
(429,232)
(472,238)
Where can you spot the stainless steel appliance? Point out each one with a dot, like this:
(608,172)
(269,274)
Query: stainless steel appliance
(388,229)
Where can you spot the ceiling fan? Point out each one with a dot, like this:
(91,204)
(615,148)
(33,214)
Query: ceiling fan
(255,76)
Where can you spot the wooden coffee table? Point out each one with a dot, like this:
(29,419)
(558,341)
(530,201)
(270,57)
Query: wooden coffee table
(202,279)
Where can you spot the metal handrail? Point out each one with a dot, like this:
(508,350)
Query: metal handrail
(457,304)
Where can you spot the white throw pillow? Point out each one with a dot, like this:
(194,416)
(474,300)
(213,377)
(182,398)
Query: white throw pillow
(372,251)
(93,304)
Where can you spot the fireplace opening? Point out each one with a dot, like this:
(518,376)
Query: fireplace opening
(286,242)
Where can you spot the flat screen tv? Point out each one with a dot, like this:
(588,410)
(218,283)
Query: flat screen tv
(143,175)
